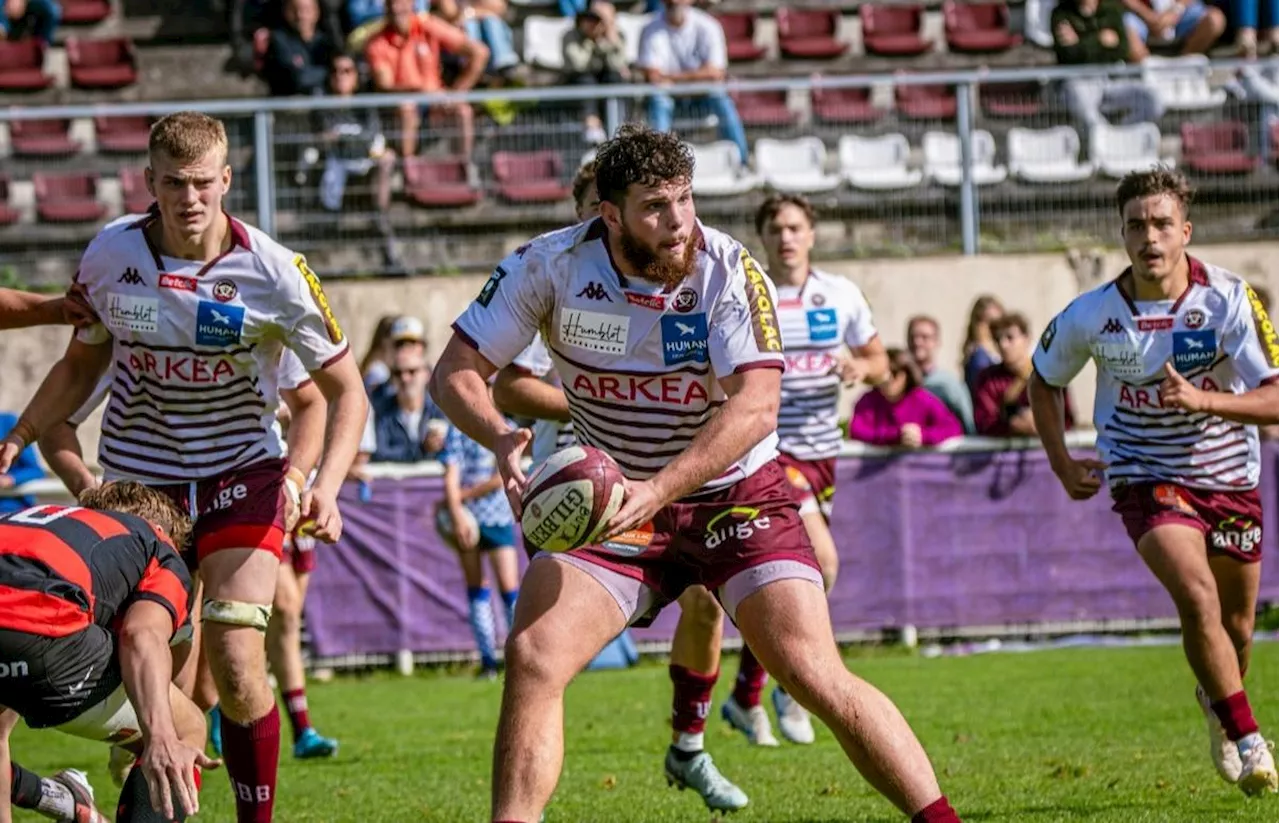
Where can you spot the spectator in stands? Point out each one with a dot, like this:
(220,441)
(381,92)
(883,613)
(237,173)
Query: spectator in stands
(899,412)
(25,19)
(248,20)
(1191,25)
(406,55)
(368,17)
(482,20)
(1001,407)
(687,45)
(594,54)
(980,348)
(1247,17)
(24,469)
(299,55)
(922,340)
(375,366)
(1091,32)
(407,425)
(407,334)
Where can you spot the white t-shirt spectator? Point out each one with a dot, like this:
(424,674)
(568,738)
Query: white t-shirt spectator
(671,50)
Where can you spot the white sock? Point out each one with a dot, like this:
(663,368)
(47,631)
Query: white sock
(56,800)
(689,742)
(1247,742)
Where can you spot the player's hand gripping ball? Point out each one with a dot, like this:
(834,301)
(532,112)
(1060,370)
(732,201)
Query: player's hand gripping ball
(570,498)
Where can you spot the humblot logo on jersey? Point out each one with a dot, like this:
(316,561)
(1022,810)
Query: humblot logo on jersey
(128,312)
(764,318)
(218,324)
(1121,359)
(1243,534)
(1194,349)
(666,389)
(738,523)
(594,331)
(181,368)
(657,302)
(1265,328)
(1155,323)
(824,325)
(177,281)
(317,293)
(684,338)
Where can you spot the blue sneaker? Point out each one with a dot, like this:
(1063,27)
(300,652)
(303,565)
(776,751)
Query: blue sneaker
(215,730)
(310,744)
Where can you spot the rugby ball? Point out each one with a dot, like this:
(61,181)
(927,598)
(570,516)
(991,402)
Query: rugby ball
(444,524)
(570,498)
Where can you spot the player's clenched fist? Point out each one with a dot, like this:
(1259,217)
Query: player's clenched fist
(1082,478)
(1177,393)
(320,507)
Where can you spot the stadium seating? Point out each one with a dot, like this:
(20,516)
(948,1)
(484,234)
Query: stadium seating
(22,66)
(942,159)
(1182,83)
(133,190)
(1047,155)
(543,37)
(978,28)
(844,106)
(764,108)
(67,198)
(8,214)
(718,170)
(877,163)
(892,31)
(1118,150)
(1273,141)
(42,138)
(1217,148)
(740,36)
(84,12)
(438,182)
(102,64)
(122,135)
(1021,100)
(529,177)
(809,34)
(795,166)
(926,102)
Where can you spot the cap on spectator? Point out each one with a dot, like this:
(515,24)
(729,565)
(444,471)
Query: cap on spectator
(406,329)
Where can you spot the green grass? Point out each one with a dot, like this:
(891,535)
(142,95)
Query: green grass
(1072,735)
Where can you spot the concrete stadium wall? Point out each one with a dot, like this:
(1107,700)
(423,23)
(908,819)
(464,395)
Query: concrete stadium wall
(1037,285)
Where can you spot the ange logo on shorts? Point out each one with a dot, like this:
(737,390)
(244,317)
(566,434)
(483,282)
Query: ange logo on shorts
(736,523)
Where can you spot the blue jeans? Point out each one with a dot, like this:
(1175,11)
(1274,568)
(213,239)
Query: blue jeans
(1191,17)
(569,8)
(1254,14)
(494,32)
(663,107)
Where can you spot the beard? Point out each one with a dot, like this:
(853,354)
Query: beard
(650,266)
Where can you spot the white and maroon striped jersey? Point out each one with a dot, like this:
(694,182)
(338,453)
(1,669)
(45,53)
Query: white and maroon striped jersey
(196,349)
(640,366)
(549,436)
(818,319)
(1216,334)
(292,375)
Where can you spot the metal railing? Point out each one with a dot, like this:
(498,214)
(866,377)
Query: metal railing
(976,181)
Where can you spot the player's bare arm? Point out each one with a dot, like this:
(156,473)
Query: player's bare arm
(61,449)
(19,309)
(1081,478)
(306,409)
(519,393)
(868,363)
(343,390)
(8,719)
(65,389)
(1259,407)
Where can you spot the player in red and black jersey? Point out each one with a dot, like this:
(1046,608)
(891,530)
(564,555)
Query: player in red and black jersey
(90,598)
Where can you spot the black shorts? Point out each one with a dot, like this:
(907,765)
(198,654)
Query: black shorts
(52,680)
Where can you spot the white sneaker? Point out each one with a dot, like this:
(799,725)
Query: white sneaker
(1258,769)
(1224,751)
(753,722)
(793,719)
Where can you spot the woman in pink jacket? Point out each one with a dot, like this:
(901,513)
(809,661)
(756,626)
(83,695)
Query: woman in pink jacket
(899,412)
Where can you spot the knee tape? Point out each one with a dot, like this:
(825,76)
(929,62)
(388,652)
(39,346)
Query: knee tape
(236,613)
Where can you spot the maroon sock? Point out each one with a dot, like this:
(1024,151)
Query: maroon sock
(295,700)
(252,754)
(690,699)
(1235,715)
(939,811)
(750,682)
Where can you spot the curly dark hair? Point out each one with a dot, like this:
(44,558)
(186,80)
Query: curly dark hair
(583,181)
(1155,181)
(638,155)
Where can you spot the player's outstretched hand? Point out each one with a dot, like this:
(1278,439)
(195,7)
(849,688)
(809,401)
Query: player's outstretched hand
(850,370)
(320,507)
(1082,478)
(1176,392)
(509,450)
(168,764)
(639,506)
(76,309)
(10,448)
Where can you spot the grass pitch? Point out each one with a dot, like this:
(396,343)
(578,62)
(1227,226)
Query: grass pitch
(1071,735)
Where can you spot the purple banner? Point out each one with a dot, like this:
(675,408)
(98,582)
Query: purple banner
(930,539)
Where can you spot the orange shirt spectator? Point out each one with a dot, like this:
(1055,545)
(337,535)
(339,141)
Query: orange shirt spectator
(413,58)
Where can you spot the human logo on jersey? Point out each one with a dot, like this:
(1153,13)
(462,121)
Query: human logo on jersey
(1194,349)
(684,338)
(824,325)
(1265,328)
(764,317)
(317,292)
(218,324)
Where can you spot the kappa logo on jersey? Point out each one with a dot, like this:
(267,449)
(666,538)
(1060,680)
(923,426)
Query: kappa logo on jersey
(218,324)
(224,291)
(129,312)
(594,291)
(685,301)
(490,286)
(657,302)
(743,522)
(177,281)
(317,293)
(764,317)
(1265,328)
(595,331)
(1155,323)
(1242,534)
(1194,349)
(131,278)
(824,325)
(1193,319)
(684,338)
(1112,326)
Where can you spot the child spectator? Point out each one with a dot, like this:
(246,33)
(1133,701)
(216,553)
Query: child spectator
(900,412)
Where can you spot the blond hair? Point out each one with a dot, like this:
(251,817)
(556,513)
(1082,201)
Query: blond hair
(134,498)
(187,136)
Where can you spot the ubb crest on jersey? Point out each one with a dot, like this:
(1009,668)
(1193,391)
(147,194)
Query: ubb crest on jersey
(570,498)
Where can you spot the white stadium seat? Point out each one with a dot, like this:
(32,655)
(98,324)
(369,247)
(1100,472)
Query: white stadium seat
(1118,150)
(719,171)
(795,166)
(942,159)
(877,163)
(1182,83)
(1047,155)
(543,37)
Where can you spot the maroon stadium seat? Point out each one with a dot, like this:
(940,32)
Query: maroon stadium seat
(764,108)
(1217,148)
(102,64)
(22,66)
(133,189)
(1011,99)
(932,102)
(892,31)
(844,106)
(67,198)
(740,35)
(8,214)
(978,27)
(529,177)
(809,33)
(84,12)
(42,138)
(122,135)
(1273,150)
(438,181)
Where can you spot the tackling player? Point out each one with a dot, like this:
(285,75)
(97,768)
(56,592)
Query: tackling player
(1187,367)
(652,314)
(195,308)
